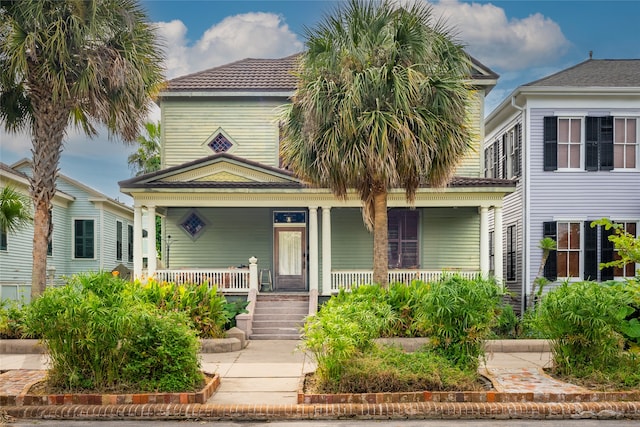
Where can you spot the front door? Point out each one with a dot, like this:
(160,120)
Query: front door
(290,260)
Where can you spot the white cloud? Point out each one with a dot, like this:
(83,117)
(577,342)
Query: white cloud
(257,35)
(508,44)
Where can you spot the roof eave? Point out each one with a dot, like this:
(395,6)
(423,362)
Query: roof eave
(227,93)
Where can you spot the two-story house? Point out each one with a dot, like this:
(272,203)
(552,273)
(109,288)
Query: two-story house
(91,232)
(229,207)
(571,142)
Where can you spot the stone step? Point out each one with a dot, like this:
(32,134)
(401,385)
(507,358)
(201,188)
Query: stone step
(277,323)
(300,312)
(274,337)
(288,330)
(281,317)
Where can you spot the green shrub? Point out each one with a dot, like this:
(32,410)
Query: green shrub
(203,305)
(457,314)
(389,369)
(507,323)
(11,320)
(345,326)
(95,329)
(583,322)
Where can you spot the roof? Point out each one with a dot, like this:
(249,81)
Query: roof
(595,73)
(265,75)
(246,74)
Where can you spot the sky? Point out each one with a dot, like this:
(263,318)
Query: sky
(521,40)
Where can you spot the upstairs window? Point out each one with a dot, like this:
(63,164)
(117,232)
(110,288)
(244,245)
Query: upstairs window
(625,143)
(569,143)
(220,144)
(3,239)
(403,249)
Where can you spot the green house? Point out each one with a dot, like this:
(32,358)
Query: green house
(233,217)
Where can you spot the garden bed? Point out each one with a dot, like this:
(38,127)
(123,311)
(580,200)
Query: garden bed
(31,392)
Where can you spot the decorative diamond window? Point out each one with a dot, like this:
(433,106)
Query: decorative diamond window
(193,224)
(220,144)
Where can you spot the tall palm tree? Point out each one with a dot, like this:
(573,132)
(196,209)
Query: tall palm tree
(147,157)
(63,62)
(14,210)
(381,103)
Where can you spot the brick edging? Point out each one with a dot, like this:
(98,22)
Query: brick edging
(424,410)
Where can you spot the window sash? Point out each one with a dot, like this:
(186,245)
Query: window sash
(403,247)
(130,243)
(625,143)
(84,238)
(3,239)
(511,252)
(629,270)
(118,241)
(570,143)
(569,249)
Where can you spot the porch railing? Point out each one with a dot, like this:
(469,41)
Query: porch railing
(226,279)
(348,279)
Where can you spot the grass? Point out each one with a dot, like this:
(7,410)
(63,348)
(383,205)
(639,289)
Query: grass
(389,369)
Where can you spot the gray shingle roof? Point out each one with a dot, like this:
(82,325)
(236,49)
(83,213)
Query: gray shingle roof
(248,74)
(595,73)
(253,74)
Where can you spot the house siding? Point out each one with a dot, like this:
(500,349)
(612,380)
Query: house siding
(450,238)
(188,123)
(579,195)
(470,166)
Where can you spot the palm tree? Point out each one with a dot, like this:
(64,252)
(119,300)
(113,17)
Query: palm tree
(381,103)
(14,210)
(147,157)
(66,62)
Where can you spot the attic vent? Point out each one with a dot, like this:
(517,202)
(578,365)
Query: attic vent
(220,144)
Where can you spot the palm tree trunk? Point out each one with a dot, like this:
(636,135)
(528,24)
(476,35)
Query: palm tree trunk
(49,123)
(380,239)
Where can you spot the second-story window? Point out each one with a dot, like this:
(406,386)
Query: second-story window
(569,143)
(625,143)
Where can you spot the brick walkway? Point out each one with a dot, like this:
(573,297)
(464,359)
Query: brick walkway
(528,380)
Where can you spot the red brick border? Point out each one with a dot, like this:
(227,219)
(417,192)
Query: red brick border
(423,410)
(25,399)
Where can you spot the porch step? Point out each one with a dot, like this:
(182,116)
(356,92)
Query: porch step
(279,316)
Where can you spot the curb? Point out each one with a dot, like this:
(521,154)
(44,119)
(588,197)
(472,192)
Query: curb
(425,410)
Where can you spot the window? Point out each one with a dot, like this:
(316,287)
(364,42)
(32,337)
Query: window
(130,243)
(513,147)
(50,236)
(118,240)
(3,239)
(220,144)
(569,248)
(625,138)
(511,252)
(193,225)
(83,238)
(503,157)
(569,146)
(403,238)
(569,143)
(491,160)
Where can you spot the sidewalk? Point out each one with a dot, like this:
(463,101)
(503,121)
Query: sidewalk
(261,382)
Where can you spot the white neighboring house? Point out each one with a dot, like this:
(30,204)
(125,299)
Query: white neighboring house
(572,142)
(91,232)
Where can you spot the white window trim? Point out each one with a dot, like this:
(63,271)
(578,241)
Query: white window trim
(582,142)
(73,238)
(637,144)
(580,277)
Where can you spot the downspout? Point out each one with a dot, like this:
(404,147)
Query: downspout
(525,203)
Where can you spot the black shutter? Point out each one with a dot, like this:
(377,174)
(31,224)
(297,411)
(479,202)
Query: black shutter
(496,156)
(606,253)
(550,143)
(606,143)
(486,162)
(590,252)
(551,267)
(592,131)
(518,149)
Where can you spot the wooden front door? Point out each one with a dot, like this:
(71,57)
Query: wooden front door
(290,259)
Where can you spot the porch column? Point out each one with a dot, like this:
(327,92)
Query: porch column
(326,250)
(484,241)
(137,242)
(498,244)
(152,255)
(313,248)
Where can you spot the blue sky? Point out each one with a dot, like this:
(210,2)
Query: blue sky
(520,40)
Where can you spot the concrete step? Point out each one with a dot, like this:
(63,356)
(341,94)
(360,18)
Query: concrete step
(277,323)
(274,337)
(300,312)
(288,330)
(282,317)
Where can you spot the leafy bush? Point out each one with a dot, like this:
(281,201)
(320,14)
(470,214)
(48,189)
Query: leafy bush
(583,321)
(103,335)
(389,369)
(507,323)
(11,320)
(457,314)
(206,308)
